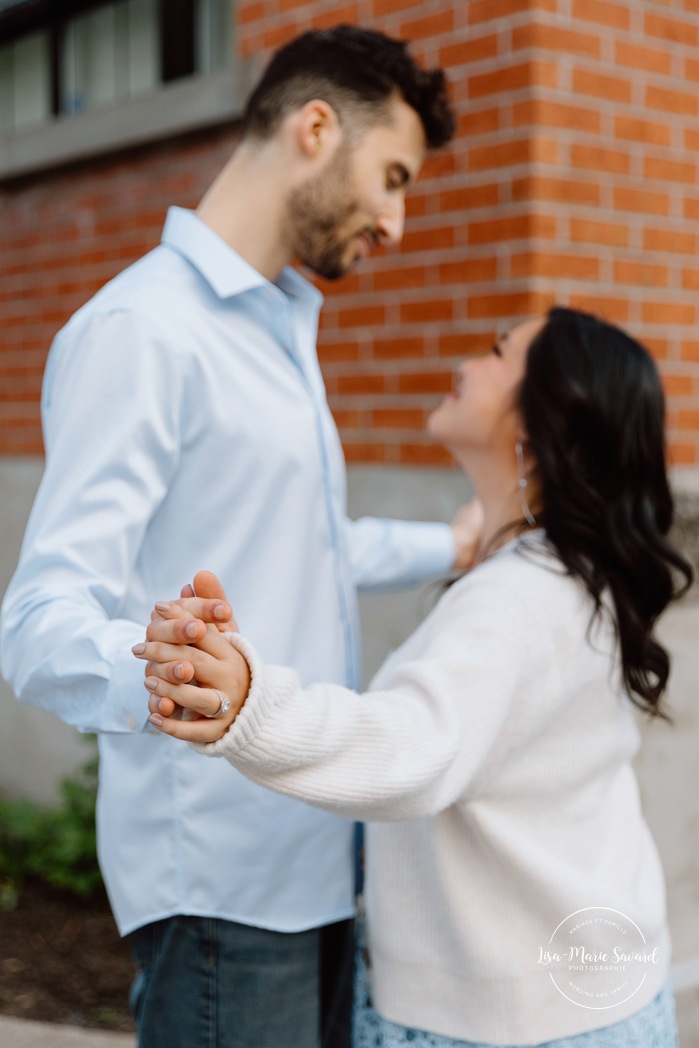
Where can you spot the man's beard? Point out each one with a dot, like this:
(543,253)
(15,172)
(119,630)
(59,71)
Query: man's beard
(317,211)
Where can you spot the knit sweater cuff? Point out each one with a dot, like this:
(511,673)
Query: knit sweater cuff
(268,686)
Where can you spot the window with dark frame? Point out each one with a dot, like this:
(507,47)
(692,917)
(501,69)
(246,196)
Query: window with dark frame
(63,57)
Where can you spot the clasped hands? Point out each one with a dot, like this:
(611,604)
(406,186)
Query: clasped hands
(191,667)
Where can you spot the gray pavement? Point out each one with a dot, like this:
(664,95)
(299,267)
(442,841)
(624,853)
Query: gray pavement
(20,1033)
(687,1018)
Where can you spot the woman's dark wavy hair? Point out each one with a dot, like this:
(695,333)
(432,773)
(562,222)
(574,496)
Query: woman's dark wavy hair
(594,413)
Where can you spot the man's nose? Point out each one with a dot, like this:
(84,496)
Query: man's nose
(391,221)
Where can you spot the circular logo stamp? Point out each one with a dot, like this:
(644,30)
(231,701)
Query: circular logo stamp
(597,957)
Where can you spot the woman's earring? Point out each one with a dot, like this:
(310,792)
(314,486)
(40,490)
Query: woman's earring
(522,485)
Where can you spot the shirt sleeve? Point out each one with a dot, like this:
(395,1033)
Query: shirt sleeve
(386,554)
(407,749)
(111,415)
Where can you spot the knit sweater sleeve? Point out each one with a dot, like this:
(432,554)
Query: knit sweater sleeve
(411,746)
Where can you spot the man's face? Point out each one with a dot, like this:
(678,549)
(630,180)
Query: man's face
(358,200)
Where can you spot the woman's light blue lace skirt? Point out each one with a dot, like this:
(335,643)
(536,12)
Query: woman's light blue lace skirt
(654,1026)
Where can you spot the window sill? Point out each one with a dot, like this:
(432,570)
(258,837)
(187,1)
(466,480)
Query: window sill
(172,110)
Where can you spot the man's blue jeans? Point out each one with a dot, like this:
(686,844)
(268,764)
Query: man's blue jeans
(207,983)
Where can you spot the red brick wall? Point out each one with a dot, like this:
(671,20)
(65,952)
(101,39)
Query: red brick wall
(573,177)
(64,235)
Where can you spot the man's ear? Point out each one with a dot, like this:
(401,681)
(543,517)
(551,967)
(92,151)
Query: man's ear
(317,129)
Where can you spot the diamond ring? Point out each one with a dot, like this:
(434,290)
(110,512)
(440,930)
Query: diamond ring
(225,705)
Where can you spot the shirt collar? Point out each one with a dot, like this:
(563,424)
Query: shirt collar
(223,268)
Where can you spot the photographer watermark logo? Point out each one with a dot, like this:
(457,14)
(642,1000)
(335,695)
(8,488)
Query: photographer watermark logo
(597,958)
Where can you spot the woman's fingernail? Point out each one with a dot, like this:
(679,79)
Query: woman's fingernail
(178,671)
(155,719)
(162,605)
(138,649)
(192,629)
(220,613)
(151,683)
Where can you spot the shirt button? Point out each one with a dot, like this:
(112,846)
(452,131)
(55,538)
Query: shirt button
(130,722)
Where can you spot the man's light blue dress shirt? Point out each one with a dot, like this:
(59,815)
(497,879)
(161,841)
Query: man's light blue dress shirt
(186,427)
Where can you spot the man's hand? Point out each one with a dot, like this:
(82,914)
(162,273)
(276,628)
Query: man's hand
(214,601)
(211,605)
(467,527)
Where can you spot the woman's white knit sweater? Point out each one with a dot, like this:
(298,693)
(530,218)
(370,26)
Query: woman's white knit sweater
(492,761)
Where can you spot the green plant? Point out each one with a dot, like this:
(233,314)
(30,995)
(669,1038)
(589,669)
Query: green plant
(55,845)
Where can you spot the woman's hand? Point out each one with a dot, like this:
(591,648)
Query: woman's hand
(179,648)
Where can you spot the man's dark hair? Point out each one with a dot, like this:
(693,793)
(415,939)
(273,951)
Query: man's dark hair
(356,71)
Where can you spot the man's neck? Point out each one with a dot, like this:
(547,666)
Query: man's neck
(246,207)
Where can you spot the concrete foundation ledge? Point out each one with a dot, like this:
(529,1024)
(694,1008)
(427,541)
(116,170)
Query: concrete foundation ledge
(685,532)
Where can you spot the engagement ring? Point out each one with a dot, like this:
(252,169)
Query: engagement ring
(223,708)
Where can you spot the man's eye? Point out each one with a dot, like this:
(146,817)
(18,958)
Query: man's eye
(496,350)
(397,178)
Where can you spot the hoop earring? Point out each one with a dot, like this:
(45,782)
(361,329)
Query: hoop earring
(522,485)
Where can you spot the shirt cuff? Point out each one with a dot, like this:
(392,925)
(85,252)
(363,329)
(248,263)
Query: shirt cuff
(248,721)
(126,705)
(387,554)
(435,548)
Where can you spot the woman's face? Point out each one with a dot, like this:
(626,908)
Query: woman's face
(481,411)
